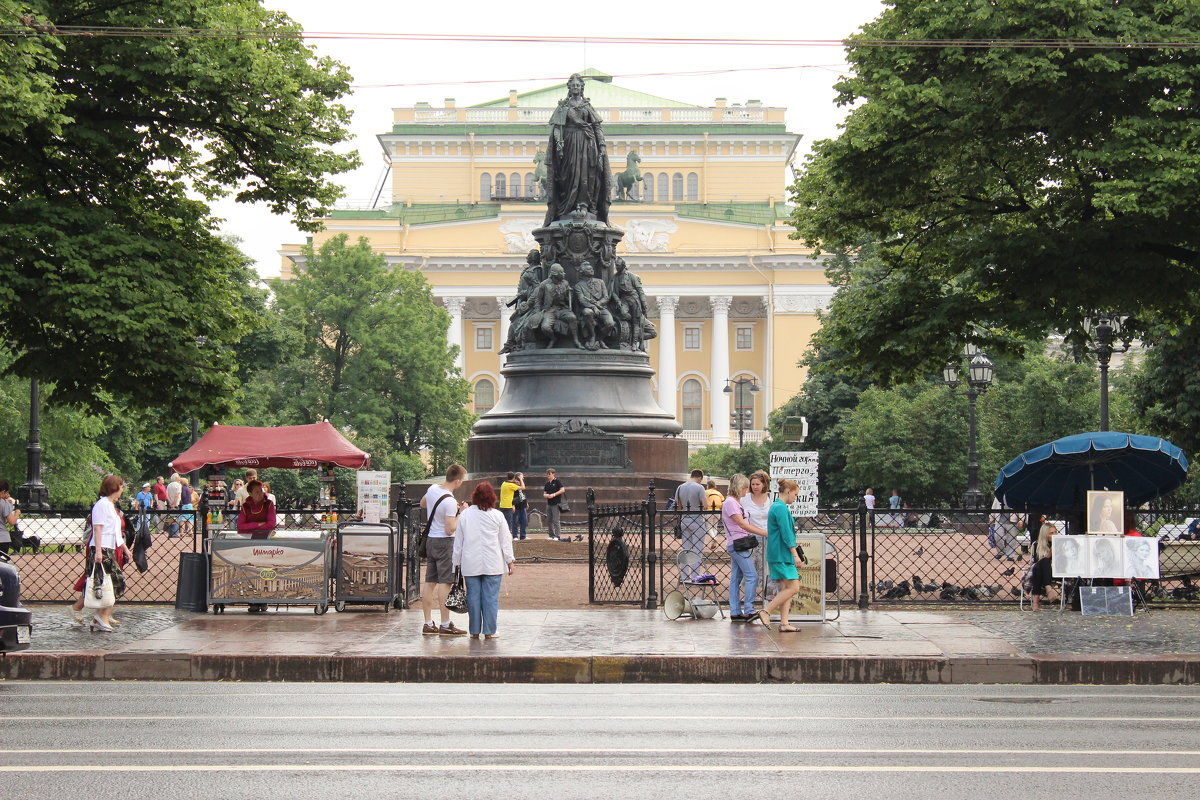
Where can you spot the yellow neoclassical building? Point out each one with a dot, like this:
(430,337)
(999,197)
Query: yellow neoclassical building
(733,298)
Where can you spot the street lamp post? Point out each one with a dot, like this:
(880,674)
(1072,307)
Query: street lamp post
(979,378)
(740,418)
(1104,329)
(33,494)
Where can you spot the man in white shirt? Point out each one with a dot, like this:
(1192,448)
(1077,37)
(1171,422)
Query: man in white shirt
(174,491)
(689,496)
(441,509)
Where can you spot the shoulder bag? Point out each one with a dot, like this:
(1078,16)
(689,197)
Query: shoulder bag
(98,591)
(456,598)
(422,550)
(743,544)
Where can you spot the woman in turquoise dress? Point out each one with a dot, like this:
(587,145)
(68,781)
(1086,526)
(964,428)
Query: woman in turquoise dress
(782,559)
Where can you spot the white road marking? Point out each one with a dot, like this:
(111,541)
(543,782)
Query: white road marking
(707,718)
(617,750)
(475,767)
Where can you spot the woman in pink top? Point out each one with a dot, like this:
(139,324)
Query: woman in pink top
(743,578)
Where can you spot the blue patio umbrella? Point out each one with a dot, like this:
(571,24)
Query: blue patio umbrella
(1058,475)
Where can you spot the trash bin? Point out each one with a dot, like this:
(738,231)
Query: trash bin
(192,587)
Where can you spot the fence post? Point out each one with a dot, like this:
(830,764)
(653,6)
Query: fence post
(863,582)
(591,552)
(651,555)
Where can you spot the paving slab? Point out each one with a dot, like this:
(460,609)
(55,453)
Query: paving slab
(620,645)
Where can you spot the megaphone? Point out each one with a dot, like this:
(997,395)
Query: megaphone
(703,608)
(675,604)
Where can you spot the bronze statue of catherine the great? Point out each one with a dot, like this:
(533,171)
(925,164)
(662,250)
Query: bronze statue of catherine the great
(577,172)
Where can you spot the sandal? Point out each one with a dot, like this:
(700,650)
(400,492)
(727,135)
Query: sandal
(762,617)
(788,629)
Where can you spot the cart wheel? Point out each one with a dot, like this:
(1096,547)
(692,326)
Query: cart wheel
(339,606)
(320,609)
(218,608)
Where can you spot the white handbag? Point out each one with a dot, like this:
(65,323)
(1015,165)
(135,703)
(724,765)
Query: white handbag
(102,597)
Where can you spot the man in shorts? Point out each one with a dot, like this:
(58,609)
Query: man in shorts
(439,549)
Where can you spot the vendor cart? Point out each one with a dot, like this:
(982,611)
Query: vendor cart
(288,568)
(367,571)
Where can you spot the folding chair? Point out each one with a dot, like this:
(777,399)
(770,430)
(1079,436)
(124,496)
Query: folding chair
(683,600)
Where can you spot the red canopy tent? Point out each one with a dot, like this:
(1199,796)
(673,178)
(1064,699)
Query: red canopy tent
(294,446)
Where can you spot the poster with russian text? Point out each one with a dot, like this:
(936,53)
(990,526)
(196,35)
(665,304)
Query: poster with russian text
(374,490)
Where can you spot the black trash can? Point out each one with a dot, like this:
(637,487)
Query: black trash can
(191,590)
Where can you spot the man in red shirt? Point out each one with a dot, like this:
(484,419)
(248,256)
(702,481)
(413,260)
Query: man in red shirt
(160,502)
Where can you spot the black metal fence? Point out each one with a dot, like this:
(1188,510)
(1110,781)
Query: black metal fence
(911,556)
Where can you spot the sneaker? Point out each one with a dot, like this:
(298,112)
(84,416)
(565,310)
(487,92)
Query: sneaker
(429,629)
(450,630)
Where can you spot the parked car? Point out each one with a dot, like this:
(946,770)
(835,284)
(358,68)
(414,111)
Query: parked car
(16,621)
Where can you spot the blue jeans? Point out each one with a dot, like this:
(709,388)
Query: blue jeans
(743,581)
(483,603)
(521,517)
(508,517)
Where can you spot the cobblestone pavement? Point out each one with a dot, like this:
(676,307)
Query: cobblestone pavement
(55,631)
(1158,632)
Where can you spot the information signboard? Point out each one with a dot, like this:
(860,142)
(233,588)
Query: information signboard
(373,494)
(801,467)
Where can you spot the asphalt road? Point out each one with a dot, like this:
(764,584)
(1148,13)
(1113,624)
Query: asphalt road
(299,741)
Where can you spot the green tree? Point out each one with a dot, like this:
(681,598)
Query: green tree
(374,358)
(726,460)
(912,438)
(114,270)
(1010,188)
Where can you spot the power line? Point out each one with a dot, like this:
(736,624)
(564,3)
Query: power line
(296,33)
(690,73)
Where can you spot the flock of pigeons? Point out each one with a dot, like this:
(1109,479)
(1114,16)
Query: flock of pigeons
(888,590)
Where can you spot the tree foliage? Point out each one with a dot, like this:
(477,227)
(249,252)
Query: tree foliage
(372,354)
(1010,189)
(115,269)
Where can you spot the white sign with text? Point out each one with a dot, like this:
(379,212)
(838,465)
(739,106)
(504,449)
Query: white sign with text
(801,467)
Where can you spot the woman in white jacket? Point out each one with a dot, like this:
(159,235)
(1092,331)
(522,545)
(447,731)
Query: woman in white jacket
(483,553)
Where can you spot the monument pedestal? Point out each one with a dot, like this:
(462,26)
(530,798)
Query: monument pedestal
(580,412)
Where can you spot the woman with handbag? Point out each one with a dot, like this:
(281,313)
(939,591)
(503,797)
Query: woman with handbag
(106,582)
(783,561)
(740,540)
(483,553)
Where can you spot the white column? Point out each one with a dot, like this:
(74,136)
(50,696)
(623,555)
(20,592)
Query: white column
(454,335)
(666,353)
(718,369)
(504,326)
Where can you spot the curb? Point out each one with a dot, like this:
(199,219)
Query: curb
(1047,669)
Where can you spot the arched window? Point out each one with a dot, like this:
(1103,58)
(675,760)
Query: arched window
(693,401)
(530,189)
(664,187)
(514,184)
(648,191)
(501,184)
(693,187)
(743,405)
(677,187)
(485,396)
(485,187)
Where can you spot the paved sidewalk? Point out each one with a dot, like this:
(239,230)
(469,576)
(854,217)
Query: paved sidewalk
(621,645)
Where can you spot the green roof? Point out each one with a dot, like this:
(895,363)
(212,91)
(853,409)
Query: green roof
(745,213)
(430,213)
(598,88)
(423,213)
(610,128)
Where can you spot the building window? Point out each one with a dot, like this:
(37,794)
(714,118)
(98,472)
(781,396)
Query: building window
(677,187)
(693,405)
(664,187)
(485,396)
(501,184)
(693,187)
(485,187)
(743,405)
(530,190)
(514,183)
(745,338)
(649,190)
(691,338)
(483,337)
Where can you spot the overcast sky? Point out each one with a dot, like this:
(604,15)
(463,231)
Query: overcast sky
(452,68)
